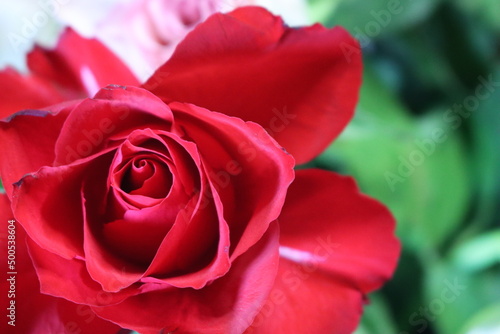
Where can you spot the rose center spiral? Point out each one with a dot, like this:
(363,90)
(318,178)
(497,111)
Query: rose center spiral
(147,177)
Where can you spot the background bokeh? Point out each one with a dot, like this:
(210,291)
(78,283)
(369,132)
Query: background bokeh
(425,141)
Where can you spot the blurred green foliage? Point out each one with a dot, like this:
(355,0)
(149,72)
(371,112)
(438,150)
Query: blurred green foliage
(426,142)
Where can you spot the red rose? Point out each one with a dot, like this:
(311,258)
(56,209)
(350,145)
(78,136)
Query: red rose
(167,207)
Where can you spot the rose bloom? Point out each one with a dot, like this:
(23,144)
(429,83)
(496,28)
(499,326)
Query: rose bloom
(174,206)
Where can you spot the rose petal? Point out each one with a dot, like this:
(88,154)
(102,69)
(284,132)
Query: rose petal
(80,65)
(47,203)
(302,301)
(22,154)
(200,236)
(177,162)
(331,256)
(75,318)
(69,278)
(124,246)
(112,273)
(148,177)
(249,171)
(21,92)
(227,305)
(36,312)
(300,84)
(347,225)
(114,110)
(76,68)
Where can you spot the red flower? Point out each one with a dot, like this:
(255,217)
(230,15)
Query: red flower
(168,207)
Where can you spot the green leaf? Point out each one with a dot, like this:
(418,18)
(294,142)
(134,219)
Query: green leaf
(368,20)
(452,293)
(479,253)
(320,10)
(485,321)
(376,317)
(439,188)
(378,103)
(487,11)
(486,163)
(448,296)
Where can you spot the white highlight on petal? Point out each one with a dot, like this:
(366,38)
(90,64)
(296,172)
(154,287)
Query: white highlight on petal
(89,81)
(299,256)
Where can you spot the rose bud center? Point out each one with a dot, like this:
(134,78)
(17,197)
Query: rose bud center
(146,176)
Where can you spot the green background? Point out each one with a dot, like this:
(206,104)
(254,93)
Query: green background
(435,168)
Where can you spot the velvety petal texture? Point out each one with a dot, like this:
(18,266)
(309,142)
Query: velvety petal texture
(21,154)
(77,67)
(114,111)
(36,312)
(301,85)
(227,305)
(237,153)
(336,245)
(174,207)
(21,92)
(131,184)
